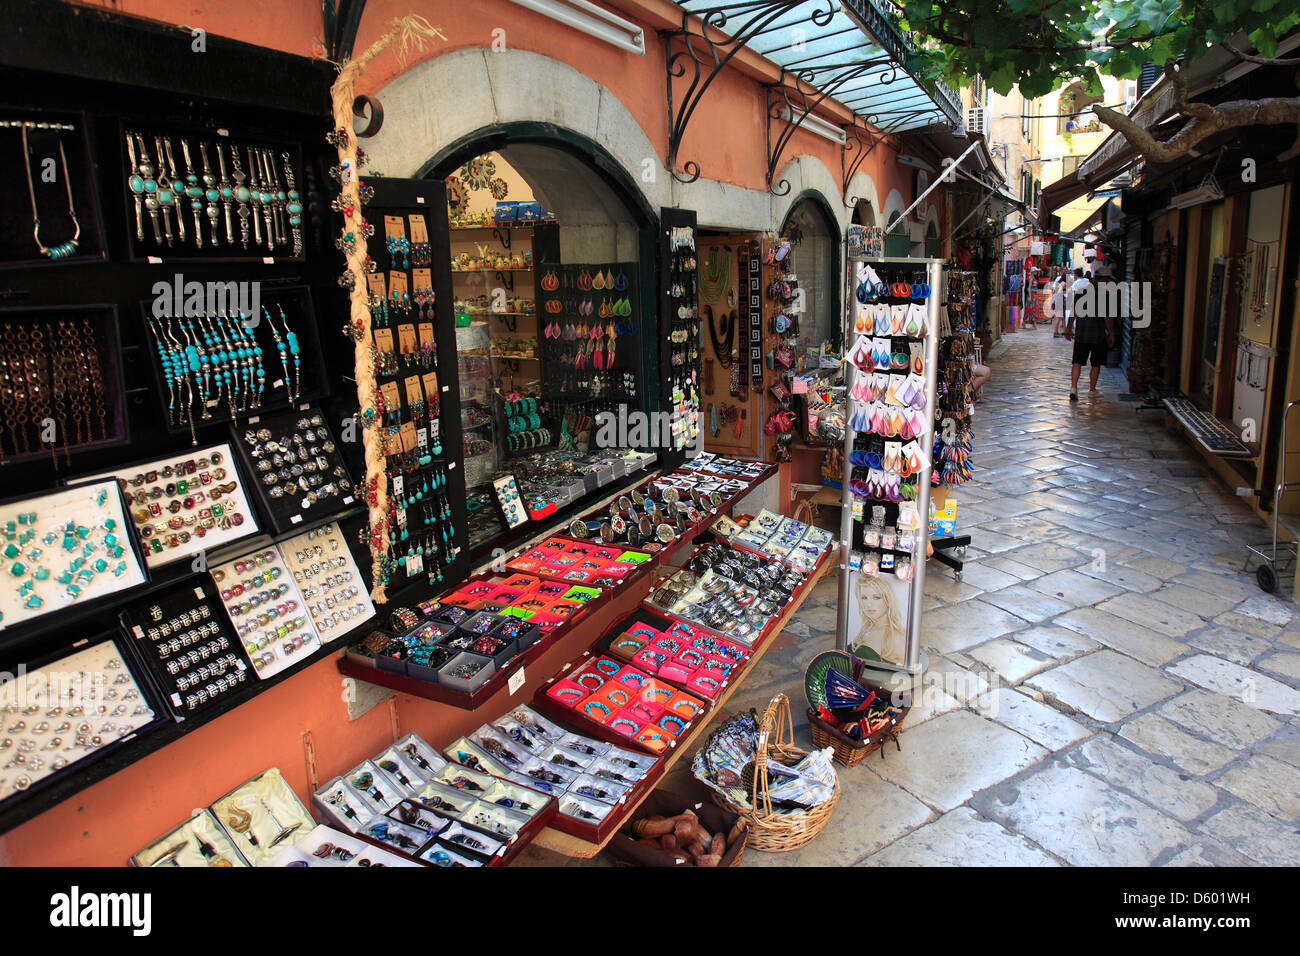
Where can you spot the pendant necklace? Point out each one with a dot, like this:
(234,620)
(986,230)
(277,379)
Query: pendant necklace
(66,249)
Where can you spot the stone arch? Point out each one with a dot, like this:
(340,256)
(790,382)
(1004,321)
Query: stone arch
(491,89)
(863,188)
(807,174)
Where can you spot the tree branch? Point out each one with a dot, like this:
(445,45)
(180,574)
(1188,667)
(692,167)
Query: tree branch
(1263,60)
(1270,111)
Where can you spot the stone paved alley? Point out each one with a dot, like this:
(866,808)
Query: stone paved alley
(1107,687)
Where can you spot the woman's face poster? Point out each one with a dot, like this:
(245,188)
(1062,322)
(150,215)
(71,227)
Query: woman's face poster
(877,619)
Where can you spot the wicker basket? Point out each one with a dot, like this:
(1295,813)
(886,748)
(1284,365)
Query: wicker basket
(771,830)
(847,750)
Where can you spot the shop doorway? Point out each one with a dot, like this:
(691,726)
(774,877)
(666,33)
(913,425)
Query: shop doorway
(554,281)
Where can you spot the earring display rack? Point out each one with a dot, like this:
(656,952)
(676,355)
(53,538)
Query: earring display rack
(421,444)
(894,305)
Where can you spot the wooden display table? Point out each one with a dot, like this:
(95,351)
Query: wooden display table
(568,845)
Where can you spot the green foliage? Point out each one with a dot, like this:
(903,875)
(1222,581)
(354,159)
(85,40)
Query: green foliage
(1042,44)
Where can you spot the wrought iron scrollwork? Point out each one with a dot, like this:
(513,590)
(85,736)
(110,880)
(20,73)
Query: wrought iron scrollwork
(697,53)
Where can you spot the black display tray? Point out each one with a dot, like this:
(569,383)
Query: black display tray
(288,512)
(137,619)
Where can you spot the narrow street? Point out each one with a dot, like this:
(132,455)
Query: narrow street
(1106,686)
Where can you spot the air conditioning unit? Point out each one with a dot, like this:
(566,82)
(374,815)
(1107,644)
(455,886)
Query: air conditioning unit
(975,121)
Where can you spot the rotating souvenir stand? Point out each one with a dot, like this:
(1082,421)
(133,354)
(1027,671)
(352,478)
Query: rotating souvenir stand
(871,284)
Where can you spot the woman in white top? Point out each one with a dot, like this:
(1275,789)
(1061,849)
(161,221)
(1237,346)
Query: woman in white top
(1058,304)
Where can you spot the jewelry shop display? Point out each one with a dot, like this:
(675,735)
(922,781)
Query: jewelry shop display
(222,182)
(187,643)
(63,548)
(59,366)
(261,814)
(71,708)
(299,470)
(187,503)
(267,610)
(332,588)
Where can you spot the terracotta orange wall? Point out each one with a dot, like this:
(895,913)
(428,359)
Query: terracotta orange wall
(726,134)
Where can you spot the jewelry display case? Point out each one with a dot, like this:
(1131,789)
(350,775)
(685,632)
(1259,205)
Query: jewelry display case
(262,814)
(66,548)
(61,383)
(70,709)
(49,197)
(186,503)
(208,194)
(189,646)
(213,367)
(297,469)
(332,587)
(267,609)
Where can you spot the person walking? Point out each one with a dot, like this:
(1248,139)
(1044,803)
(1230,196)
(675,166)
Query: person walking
(1094,337)
(1058,304)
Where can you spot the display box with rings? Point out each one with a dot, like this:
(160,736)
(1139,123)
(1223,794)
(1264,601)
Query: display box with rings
(189,645)
(67,709)
(186,503)
(64,549)
(298,472)
(267,610)
(466,672)
(332,587)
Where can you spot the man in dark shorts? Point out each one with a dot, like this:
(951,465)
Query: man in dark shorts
(1093,337)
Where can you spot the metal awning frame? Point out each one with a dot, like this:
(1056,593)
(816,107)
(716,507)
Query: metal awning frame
(711,37)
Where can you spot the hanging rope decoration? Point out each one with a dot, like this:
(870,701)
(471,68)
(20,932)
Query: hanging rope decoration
(410,33)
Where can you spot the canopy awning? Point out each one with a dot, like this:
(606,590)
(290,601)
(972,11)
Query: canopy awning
(850,50)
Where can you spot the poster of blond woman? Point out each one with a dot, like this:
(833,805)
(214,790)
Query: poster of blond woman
(877,618)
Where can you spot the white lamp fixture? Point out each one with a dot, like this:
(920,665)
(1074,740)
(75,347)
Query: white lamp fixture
(1206,192)
(592,20)
(814,124)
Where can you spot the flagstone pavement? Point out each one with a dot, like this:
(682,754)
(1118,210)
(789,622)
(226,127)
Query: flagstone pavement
(1106,687)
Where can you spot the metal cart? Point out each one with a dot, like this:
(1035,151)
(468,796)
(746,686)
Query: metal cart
(1266,573)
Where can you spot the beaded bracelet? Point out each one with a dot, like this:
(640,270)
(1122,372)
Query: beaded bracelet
(666,691)
(623,720)
(621,693)
(691,704)
(601,665)
(586,708)
(681,724)
(581,679)
(572,692)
